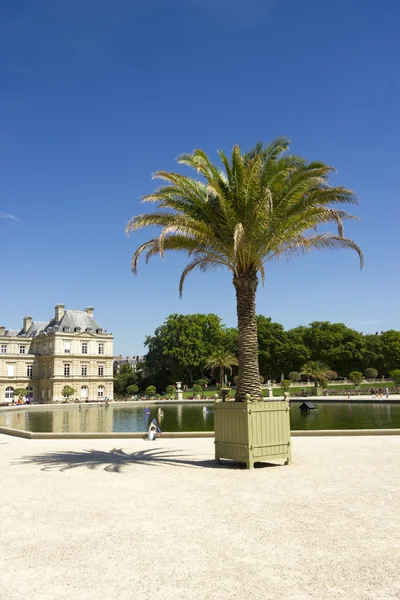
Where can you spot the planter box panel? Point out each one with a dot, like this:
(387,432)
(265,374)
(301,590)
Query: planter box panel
(251,432)
(230,423)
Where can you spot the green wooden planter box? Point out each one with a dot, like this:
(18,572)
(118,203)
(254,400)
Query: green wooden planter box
(252,432)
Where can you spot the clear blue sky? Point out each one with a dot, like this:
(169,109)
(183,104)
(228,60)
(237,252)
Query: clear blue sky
(98,94)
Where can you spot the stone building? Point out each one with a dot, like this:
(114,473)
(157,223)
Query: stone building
(70,349)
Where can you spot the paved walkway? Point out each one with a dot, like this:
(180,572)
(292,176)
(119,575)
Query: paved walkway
(129,519)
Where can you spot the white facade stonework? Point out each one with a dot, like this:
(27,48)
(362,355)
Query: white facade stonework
(43,357)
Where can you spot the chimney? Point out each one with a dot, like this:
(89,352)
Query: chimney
(2,329)
(89,310)
(60,310)
(27,323)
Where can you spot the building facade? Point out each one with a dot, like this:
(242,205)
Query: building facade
(69,350)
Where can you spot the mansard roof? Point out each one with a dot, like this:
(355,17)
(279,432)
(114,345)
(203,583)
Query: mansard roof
(71,321)
(74,319)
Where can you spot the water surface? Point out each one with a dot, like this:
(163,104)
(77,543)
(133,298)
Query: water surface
(190,417)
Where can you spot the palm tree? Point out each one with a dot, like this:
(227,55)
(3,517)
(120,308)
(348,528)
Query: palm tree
(260,206)
(318,370)
(221,359)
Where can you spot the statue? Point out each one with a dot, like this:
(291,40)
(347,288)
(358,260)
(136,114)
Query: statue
(179,393)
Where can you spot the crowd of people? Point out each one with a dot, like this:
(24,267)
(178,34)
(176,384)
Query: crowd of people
(379,392)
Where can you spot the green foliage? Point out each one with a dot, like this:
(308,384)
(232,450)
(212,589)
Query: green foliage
(181,346)
(67,391)
(334,344)
(170,390)
(356,377)
(197,389)
(285,385)
(278,350)
(395,375)
(390,341)
(20,392)
(221,359)
(294,376)
(371,373)
(201,382)
(125,378)
(151,390)
(373,354)
(316,369)
(132,389)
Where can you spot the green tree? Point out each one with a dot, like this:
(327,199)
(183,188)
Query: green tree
(182,345)
(151,390)
(371,373)
(125,378)
(335,344)
(294,376)
(170,390)
(67,391)
(222,360)
(356,377)
(20,392)
(318,370)
(259,206)
(395,375)
(373,354)
(132,389)
(390,341)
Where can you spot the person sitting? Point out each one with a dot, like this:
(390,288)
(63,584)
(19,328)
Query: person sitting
(153,431)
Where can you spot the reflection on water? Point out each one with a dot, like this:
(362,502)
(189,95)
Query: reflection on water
(191,417)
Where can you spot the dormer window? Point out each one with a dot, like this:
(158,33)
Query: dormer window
(99,331)
(88,329)
(77,329)
(65,328)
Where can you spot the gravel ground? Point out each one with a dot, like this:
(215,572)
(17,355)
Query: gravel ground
(130,519)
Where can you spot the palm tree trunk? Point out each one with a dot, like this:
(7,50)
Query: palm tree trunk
(249,373)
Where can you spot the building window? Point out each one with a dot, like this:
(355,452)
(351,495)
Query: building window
(29,393)
(67,347)
(84,348)
(100,391)
(22,349)
(66,369)
(101,348)
(4,348)
(66,329)
(101,370)
(29,370)
(84,392)
(10,370)
(9,393)
(84,370)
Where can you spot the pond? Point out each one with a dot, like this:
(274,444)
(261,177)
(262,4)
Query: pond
(190,417)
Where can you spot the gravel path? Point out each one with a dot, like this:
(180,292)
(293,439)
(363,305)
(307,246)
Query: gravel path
(130,519)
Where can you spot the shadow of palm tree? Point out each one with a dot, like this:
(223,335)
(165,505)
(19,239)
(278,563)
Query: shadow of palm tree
(113,460)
